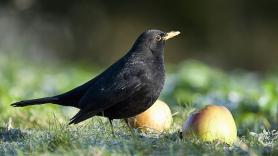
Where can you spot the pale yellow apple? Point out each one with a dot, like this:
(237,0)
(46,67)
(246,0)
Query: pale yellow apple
(156,119)
(211,123)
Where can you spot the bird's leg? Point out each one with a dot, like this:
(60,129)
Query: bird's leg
(130,128)
(112,128)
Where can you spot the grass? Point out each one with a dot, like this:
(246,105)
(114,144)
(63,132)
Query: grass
(43,130)
(96,138)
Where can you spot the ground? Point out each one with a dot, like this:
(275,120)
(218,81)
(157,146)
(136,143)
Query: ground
(42,130)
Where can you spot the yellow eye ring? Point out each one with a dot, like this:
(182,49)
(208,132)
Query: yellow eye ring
(158,37)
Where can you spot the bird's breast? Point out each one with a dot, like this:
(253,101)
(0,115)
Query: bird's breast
(152,81)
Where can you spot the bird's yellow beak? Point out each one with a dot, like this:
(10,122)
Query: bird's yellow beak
(170,34)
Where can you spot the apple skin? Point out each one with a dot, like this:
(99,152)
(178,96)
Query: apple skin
(211,123)
(155,119)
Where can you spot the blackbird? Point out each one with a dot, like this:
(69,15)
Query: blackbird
(128,87)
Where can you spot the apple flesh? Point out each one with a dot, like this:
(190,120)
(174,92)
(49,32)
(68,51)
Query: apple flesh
(211,123)
(155,119)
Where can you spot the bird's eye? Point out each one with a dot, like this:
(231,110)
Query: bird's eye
(158,37)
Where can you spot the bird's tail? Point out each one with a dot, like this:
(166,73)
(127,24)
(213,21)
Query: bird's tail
(36,101)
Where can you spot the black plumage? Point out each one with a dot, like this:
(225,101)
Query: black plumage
(128,87)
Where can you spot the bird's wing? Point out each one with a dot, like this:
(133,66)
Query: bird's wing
(73,97)
(106,93)
(109,93)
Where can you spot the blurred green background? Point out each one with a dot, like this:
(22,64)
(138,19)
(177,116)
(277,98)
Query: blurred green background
(226,33)
(48,47)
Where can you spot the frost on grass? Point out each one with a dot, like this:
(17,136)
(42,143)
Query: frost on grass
(267,138)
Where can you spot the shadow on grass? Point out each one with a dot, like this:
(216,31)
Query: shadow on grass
(11,134)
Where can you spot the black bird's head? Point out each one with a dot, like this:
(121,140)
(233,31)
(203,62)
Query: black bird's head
(153,41)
